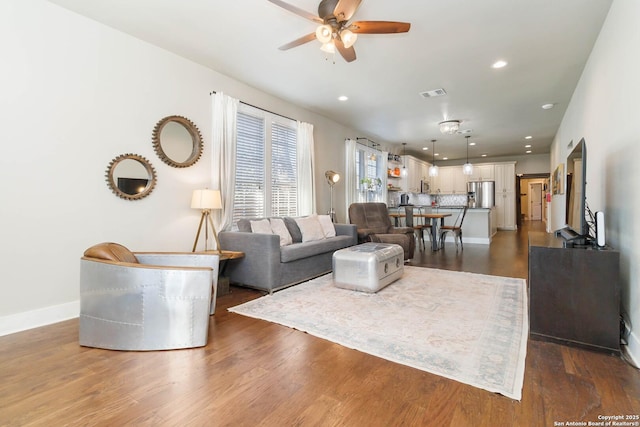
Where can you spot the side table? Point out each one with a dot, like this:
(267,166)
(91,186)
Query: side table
(223,280)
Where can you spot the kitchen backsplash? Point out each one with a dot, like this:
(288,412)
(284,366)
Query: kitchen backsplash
(421,199)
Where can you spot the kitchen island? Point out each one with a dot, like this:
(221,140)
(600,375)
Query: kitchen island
(479,224)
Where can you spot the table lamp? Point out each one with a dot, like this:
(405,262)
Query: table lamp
(205,200)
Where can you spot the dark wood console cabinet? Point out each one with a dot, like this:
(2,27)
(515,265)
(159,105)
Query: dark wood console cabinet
(574,294)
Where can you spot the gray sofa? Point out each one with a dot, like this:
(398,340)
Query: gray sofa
(270,267)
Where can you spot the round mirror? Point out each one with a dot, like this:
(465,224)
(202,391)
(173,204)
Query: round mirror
(177,141)
(131,176)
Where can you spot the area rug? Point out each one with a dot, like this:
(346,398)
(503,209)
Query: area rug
(467,327)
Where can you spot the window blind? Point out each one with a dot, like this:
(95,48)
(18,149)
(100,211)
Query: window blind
(249,196)
(266,166)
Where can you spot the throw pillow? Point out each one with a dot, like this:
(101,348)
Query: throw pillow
(293,228)
(278,227)
(328,228)
(262,226)
(310,228)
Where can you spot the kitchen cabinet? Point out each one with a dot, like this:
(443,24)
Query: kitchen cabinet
(450,180)
(417,171)
(482,173)
(505,199)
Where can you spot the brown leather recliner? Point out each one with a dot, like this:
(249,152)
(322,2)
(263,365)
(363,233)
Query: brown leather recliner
(374,225)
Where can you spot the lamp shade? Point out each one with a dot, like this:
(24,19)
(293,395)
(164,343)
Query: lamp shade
(324,33)
(467,168)
(348,38)
(206,199)
(332,177)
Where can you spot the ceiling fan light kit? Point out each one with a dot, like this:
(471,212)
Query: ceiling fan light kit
(335,28)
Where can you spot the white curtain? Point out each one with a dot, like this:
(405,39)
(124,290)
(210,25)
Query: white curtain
(383,165)
(223,156)
(350,179)
(306,167)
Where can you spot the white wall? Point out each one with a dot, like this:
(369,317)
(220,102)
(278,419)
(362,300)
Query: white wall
(605,111)
(76,94)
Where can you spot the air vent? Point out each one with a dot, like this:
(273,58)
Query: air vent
(433,93)
(464,131)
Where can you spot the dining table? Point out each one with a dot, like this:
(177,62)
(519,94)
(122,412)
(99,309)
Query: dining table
(433,217)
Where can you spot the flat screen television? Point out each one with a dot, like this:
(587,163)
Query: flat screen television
(577,228)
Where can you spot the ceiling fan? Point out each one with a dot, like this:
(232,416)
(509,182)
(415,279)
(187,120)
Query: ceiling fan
(335,31)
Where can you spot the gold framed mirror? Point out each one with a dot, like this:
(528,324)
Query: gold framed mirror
(131,176)
(177,141)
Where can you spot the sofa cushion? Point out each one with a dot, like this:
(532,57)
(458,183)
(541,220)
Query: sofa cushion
(278,227)
(293,228)
(305,250)
(327,225)
(244,225)
(111,252)
(262,226)
(310,228)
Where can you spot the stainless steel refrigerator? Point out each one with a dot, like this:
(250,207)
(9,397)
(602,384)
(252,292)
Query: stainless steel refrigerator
(481,194)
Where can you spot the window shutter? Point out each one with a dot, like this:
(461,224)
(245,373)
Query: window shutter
(249,196)
(284,183)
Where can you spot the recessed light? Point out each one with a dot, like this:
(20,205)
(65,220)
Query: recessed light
(528,151)
(528,137)
(547,106)
(472,143)
(527,146)
(445,158)
(343,98)
(484,155)
(499,64)
(436,154)
(425,148)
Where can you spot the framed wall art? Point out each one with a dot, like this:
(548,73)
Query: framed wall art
(557,181)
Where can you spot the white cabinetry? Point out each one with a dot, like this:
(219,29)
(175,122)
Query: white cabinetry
(482,173)
(505,178)
(450,180)
(417,171)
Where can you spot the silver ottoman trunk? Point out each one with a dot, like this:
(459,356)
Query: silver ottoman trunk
(368,267)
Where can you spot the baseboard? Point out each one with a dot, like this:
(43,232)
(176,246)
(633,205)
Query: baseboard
(633,348)
(479,240)
(40,317)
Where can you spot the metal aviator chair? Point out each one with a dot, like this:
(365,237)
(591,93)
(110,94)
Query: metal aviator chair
(456,229)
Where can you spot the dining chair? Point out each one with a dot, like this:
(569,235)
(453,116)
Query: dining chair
(456,229)
(418,229)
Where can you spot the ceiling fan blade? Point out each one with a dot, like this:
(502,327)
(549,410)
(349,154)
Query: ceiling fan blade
(297,11)
(298,41)
(379,27)
(345,9)
(348,53)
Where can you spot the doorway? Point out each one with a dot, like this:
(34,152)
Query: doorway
(535,201)
(531,202)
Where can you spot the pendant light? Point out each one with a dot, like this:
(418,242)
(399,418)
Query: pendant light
(467,168)
(433,169)
(405,172)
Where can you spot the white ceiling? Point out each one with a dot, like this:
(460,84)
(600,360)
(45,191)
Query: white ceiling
(451,45)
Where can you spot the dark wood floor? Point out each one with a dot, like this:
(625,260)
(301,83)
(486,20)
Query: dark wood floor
(256,373)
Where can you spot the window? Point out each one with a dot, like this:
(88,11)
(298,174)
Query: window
(266,166)
(369,173)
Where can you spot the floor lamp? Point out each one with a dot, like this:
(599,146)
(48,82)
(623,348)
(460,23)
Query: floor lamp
(205,200)
(332,178)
